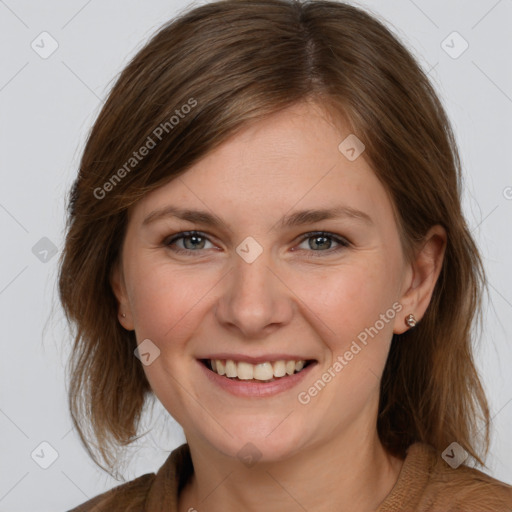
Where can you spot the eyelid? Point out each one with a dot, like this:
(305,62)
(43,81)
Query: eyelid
(339,238)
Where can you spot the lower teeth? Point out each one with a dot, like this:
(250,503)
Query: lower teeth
(253,380)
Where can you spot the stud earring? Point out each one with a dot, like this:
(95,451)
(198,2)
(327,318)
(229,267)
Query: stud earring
(123,315)
(410,320)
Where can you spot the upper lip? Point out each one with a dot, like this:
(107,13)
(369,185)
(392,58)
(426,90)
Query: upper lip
(257,359)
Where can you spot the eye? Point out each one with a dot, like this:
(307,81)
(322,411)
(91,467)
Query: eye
(323,240)
(194,241)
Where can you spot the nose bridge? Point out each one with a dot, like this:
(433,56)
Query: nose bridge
(251,280)
(254,298)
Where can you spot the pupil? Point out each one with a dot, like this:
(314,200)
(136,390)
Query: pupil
(190,238)
(321,238)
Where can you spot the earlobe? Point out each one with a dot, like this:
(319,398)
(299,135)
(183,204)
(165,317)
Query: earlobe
(425,270)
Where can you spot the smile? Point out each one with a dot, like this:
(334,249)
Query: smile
(256,379)
(267,371)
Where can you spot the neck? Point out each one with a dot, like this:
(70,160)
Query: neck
(353,474)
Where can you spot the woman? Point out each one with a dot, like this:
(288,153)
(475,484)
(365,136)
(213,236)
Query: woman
(266,235)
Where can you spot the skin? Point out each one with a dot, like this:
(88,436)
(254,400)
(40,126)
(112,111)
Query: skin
(212,301)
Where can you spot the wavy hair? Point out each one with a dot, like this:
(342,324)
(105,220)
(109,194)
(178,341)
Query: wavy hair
(232,62)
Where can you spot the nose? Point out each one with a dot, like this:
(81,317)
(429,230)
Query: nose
(255,300)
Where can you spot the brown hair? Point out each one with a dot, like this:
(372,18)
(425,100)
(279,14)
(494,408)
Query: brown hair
(201,78)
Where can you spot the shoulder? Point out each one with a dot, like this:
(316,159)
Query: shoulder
(127,497)
(427,483)
(462,488)
(147,492)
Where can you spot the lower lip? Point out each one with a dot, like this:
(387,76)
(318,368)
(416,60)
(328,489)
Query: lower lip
(256,389)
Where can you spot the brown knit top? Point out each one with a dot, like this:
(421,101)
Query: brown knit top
(426,483)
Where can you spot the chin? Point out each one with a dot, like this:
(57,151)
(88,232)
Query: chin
(258,441)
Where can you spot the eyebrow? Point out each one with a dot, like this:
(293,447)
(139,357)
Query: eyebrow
(294,219)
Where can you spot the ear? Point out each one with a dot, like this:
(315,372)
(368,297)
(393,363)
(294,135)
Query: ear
(118,285)
(422,275)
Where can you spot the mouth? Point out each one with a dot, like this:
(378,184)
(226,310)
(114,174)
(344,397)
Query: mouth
(263,372)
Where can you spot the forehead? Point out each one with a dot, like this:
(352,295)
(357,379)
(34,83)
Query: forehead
(290,160)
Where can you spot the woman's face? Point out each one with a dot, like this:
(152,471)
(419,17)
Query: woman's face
(259,286)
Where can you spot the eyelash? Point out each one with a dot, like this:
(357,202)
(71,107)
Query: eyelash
(315,234)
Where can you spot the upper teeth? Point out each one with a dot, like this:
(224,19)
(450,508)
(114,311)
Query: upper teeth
(260,371)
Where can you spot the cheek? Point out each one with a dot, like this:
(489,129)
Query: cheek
(162,299)
(350,299)
(357,306)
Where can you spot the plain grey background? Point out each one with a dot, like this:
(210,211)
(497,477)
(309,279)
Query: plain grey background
(48,104)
